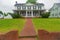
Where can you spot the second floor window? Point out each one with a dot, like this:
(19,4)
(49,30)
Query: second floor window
(29,7)
(23,7)
(39,7)
(19,8)
(34,7)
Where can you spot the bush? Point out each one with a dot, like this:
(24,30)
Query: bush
(45,15)
(15,15)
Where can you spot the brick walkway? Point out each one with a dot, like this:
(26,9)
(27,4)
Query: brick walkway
(28,32)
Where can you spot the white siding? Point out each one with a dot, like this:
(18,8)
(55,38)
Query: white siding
(55,11)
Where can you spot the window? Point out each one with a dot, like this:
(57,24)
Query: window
(59,13)
(29,13)
(29,7)
(52,14)
(35,13)
(34,7)
(39,7)
(23,13)
(19,8)
(24,7)
(56,14)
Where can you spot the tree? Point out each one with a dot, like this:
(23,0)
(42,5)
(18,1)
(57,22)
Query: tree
(15,15)
(45,15)
(31,1)
(1,12)
(5,14)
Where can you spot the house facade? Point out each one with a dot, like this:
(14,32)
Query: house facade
(55,10)
(29,9)
(1,16)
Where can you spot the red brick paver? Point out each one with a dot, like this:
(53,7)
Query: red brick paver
(28,31)
(27,39)
(12,35)
(45,35)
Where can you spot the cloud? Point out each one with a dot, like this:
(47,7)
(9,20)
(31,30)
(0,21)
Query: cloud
(48,3)
(8,5)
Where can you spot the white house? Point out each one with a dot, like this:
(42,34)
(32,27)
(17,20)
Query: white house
(55,10)
(1,16)
(29,9)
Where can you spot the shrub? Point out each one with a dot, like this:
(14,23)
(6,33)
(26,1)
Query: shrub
(45,15)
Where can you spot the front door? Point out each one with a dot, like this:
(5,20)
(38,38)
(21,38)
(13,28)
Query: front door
(29,14)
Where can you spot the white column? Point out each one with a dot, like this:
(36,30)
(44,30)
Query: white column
(19,13)
(32,13)
(26,13)
(31,7)
(39,13)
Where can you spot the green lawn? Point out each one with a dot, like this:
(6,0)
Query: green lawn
(51,24)
(7,25)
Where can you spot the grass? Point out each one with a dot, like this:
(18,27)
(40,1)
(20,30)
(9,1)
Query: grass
(7,25)
(50,24)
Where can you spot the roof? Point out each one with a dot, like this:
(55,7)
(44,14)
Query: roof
(57,4)
(26,3)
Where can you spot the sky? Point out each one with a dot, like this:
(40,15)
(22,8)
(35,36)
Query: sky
(8,5)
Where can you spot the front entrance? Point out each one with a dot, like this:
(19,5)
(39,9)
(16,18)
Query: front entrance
(29,14)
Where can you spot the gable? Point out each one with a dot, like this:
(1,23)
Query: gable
(55,6)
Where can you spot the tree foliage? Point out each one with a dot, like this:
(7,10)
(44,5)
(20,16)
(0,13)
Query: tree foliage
(31,1)
(45,15)
(1,12)
(15,15)
(5,14)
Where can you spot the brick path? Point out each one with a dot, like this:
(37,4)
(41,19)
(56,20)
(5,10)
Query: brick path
(28,32)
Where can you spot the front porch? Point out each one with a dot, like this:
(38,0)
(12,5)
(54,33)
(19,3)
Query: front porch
(29,13)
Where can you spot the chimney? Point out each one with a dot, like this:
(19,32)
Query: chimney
(16,2)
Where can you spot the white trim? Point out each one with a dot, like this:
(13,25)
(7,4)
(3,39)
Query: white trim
(26,13)
(19,13)
(32,13)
